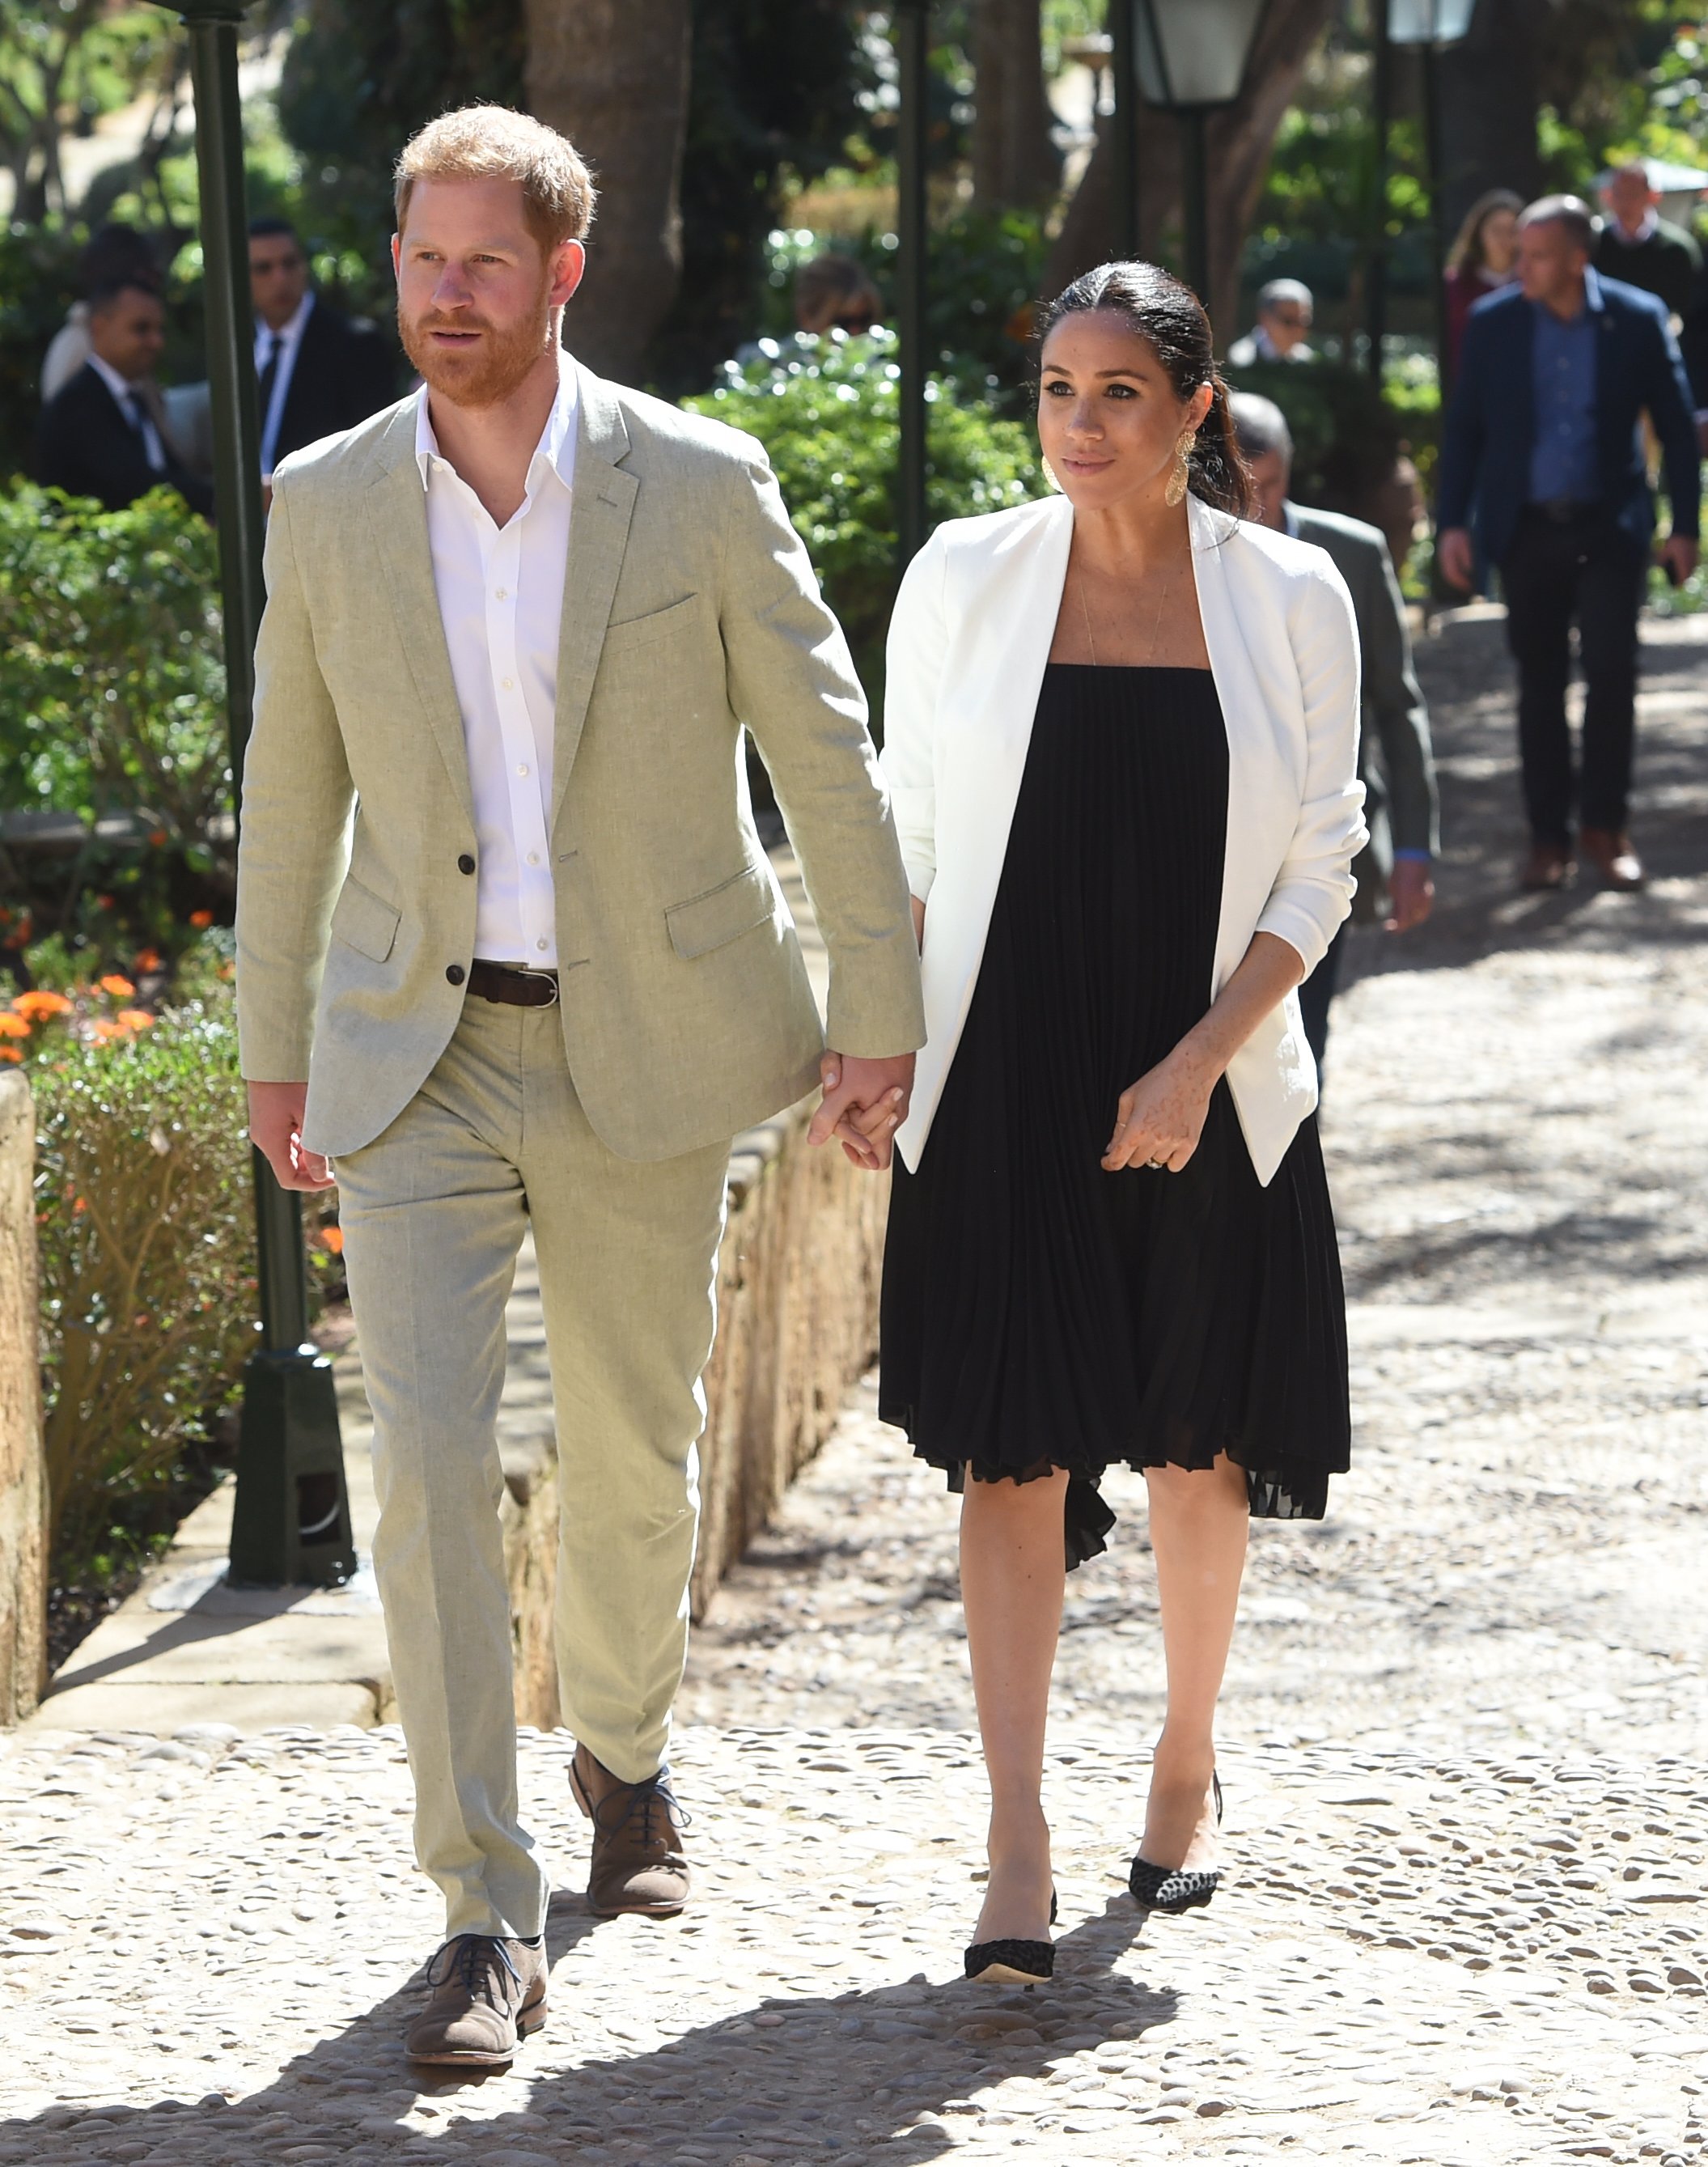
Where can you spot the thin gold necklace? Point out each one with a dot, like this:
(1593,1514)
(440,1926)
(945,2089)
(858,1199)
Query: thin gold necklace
(1085,612)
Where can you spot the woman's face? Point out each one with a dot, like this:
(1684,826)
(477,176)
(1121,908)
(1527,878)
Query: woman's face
(1108,418)
(1499,239)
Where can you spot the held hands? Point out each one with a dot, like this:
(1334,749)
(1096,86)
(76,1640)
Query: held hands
(276,1130)
(864,1103)
(1159,1120)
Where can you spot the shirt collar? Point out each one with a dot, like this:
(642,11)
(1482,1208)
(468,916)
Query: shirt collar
(115,382)
(1593,303)
(1651,220)
(287,334)
(556,444)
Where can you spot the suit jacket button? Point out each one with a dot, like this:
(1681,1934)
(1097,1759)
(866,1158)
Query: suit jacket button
(455,973)
(465,864)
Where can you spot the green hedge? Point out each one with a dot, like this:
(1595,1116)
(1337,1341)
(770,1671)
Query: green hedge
(828,415)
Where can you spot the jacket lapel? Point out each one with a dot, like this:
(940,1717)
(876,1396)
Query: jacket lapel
(599,534)
(397,509)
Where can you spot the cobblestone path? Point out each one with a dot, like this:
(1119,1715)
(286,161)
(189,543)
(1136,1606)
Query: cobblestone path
(1463,1739)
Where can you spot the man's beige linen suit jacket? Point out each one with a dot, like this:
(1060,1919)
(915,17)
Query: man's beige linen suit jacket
(690,607)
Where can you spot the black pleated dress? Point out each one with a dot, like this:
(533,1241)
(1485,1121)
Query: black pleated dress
(1038,1312)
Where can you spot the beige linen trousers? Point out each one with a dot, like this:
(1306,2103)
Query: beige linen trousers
(690,609)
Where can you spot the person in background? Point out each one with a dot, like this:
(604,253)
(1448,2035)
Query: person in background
(1481,260)
(113,254)
(319,373)
(833,293)
(1543,436)
(1395,763)
(103,435)
(1285,313)
(1639,247)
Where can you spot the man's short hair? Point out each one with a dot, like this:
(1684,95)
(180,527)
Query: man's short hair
(1571,212)
(274,228)
(105,297)
(493,143)
(1279,290)
(1260,427)
(1637,168)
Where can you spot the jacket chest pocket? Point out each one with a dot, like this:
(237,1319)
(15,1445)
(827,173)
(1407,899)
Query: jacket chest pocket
(363,921)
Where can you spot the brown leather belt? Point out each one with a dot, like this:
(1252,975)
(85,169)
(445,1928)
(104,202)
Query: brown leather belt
(517,986)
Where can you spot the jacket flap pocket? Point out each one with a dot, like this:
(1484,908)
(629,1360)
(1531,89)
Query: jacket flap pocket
(659,624)
(362,921)
(734,907)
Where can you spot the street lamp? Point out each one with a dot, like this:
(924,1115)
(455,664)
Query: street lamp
(291,1518)
(1191,57)
(1429,24)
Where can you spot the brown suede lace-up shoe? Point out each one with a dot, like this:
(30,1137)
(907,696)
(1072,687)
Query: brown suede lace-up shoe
(487,1996)
(1609,851)
(638,1862)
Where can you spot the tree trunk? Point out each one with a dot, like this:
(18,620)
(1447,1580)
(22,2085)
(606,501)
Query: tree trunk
(1014,158)
(612,76)
(1490,89)
(1240,143)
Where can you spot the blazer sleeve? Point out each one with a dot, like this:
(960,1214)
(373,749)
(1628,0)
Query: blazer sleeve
(792,682)
(296,801)
(1394,698)
(1672,410)
(1313,890)
(919,635)
(1462,437)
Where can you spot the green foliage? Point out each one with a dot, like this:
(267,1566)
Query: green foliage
(112,678)
(38,283)
(62,66)
(828,421)
(147,1252)
(1346,436)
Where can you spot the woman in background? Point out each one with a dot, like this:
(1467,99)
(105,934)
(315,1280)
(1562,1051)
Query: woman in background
(1482,259)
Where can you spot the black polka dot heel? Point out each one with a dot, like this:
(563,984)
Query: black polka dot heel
(1175,1889)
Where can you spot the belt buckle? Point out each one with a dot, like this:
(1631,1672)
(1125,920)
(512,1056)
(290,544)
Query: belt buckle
(547,977)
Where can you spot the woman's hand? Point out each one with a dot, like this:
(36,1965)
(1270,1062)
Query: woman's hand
(1159,1120)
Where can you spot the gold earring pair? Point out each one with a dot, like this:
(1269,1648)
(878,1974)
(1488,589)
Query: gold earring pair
(1175,489)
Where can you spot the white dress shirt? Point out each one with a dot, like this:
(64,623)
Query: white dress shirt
(289,337)
(123,394)
(501,592)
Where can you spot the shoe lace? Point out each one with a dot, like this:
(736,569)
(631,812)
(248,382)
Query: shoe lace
(619,1807)
(475,1962)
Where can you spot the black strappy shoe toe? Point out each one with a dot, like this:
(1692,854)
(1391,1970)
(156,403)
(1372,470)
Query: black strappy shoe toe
(1013,1963)
(1175,1889)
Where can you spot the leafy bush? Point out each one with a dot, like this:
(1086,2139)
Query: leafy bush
(828,417)
(147,1249)
(1346,435)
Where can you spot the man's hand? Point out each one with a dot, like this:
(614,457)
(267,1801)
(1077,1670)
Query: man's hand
(864,1103)
(1679,555)
(1455,557)
(276,1130)
(1411,888)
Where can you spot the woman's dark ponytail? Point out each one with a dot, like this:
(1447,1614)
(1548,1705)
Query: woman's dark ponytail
(1171,319)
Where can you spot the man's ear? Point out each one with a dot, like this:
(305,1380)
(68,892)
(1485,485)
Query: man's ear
(568,264)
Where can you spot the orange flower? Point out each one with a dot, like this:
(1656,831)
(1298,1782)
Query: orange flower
(149,960)
(156,836)
(10,1053)
(38,1002)
(107,1032)
(12,1026)
(121,989)
(332,1238)
(201,919)
(136,1019)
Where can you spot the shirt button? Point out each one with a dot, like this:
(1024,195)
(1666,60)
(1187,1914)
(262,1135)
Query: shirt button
(508,683)
(541,944)
(455,973)
(522,771)
(465,864)
(501,594)
(533,858)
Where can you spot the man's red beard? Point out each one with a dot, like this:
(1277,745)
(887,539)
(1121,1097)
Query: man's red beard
(485,371)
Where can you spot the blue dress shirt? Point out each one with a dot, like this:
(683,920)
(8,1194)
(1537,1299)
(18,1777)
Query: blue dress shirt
(1563,461)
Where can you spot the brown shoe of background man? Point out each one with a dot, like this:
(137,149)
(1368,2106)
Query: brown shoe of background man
(1549,865)
(486,1995)
(638,1863)
(1610,851)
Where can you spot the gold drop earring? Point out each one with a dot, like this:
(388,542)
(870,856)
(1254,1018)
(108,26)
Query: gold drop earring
(1175,486)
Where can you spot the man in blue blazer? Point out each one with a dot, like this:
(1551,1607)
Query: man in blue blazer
(1543,449)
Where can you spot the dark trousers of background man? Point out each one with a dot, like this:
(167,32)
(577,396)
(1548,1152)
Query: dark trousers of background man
(1582,565)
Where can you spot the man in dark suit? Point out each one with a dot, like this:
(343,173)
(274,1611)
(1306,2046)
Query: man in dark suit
(104,433)
(319,373)
(1395,761)
(1543,446)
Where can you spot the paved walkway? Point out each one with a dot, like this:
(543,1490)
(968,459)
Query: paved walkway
(1464,1729)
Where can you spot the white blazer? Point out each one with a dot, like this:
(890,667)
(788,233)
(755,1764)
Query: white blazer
(968,644)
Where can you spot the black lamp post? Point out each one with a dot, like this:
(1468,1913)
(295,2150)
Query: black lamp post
(1192,58)
(1429,24)
(291,1520)
(912,43)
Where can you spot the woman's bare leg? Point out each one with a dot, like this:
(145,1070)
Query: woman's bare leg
(1012,1571)
(1199,1520)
